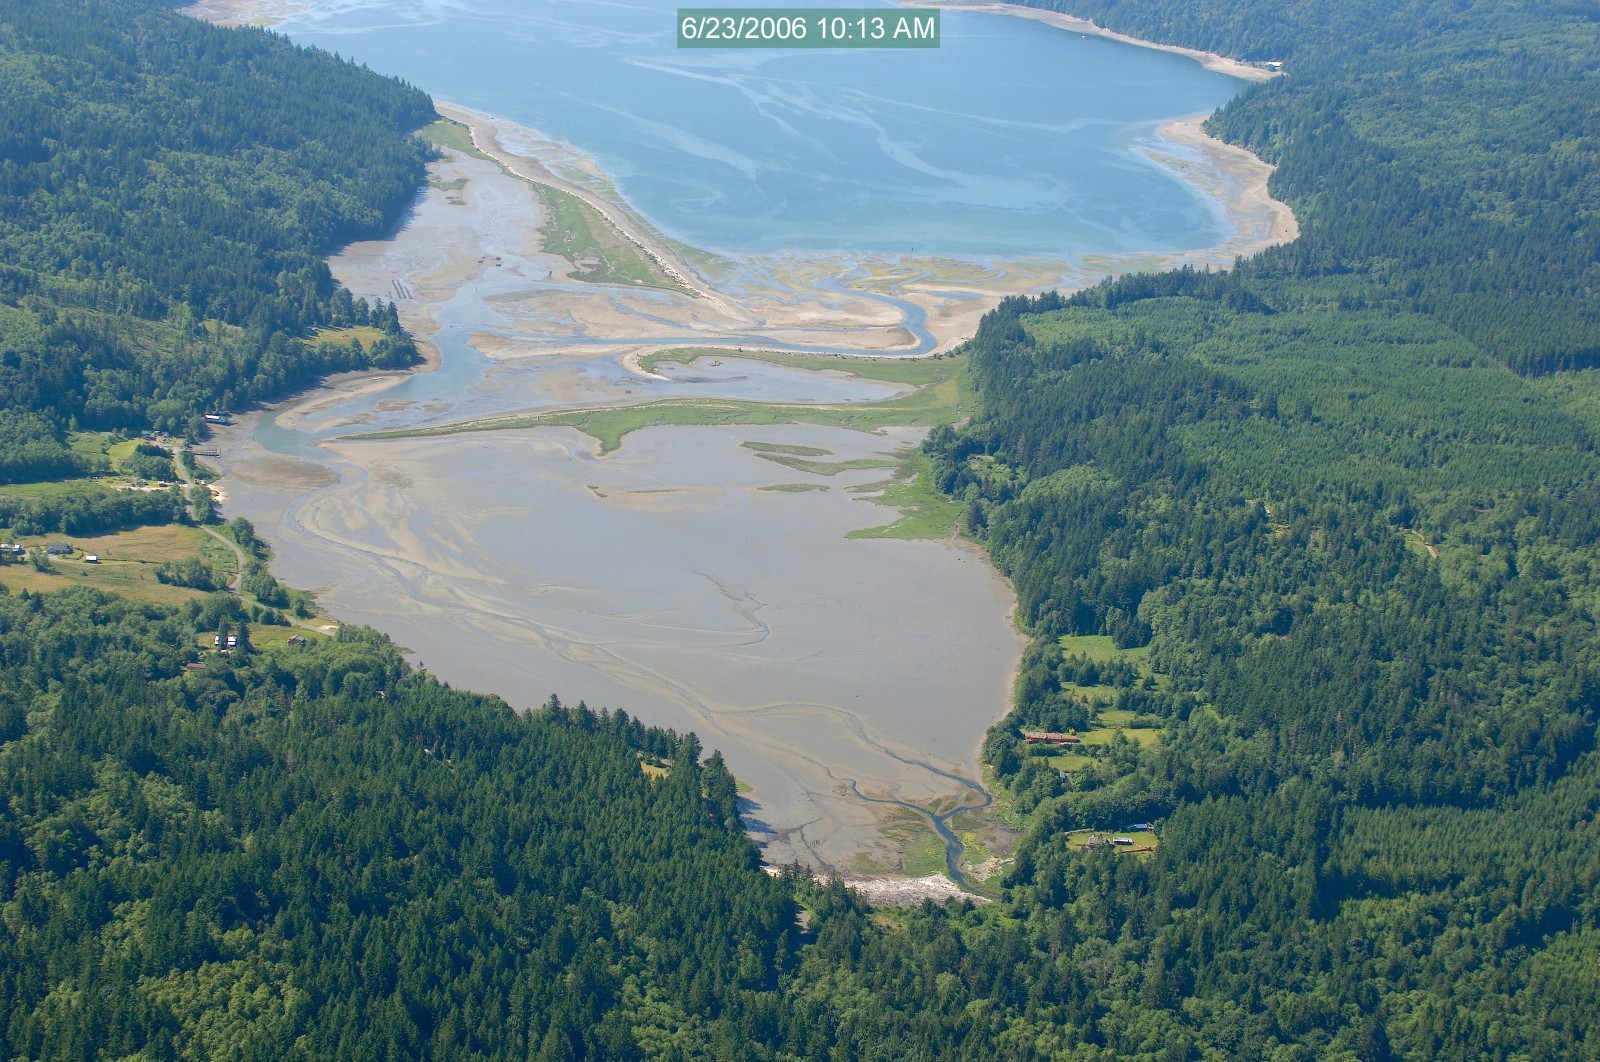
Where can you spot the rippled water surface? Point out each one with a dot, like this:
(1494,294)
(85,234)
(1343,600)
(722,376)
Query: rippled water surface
(1011,138)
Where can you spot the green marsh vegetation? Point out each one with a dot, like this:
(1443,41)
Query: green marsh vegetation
(448,133)
(597,249)
(941,395)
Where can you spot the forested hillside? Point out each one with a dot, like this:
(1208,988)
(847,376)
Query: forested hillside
(167,193)
(1302,526)
(1442,157)
(321,854)
(1363,559)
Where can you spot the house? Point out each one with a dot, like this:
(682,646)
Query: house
(12,548)
(59,549)
(1122,841)
(1050,737)
(1142,827)
(233,641)
(91,558)
(219,418)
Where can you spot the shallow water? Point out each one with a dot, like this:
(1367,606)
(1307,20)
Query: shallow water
(1010,138)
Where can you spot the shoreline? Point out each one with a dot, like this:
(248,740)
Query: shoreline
(943,287)
(1219,64)
(268,12)
(1230,176)
(1253,173)
(630,225)
(788,300)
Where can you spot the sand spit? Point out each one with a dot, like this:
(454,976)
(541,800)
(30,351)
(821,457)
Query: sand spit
(527,162)
(859,304)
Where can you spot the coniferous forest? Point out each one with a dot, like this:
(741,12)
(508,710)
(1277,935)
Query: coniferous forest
(1325,526)
(167,193)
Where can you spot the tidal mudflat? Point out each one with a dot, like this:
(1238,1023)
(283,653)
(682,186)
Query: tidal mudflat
(670,580)
(696,576)
(688,578)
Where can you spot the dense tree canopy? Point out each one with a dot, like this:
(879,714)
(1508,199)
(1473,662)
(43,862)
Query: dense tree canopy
(167,192)
(1354,554)
(319,853)
(1441,155)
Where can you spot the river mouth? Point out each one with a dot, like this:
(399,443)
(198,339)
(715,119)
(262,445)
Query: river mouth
(699,575)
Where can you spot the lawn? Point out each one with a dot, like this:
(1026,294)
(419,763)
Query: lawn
(1144,737)
(1102,648)
(1079,839)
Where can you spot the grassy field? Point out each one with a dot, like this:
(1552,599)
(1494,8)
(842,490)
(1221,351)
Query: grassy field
(98,445)
(128,561)
(365,335)
(792,488)
(1102,648)
(127,566)
(58,488)
(1113,722)
(1071,762)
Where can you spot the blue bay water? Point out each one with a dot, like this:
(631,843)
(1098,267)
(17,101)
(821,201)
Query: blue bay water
(1013,138)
